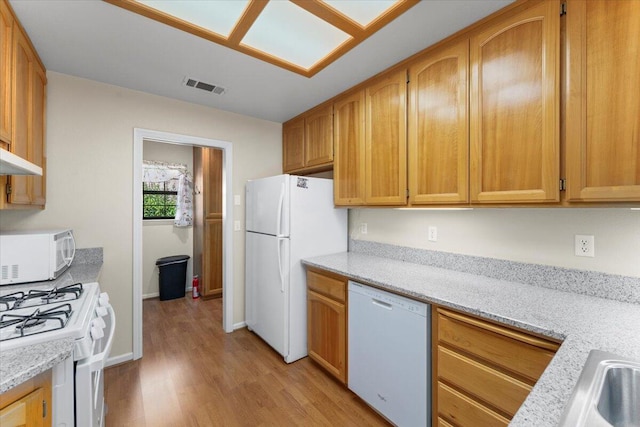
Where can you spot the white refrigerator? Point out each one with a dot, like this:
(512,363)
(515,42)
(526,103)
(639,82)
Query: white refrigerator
(288,218)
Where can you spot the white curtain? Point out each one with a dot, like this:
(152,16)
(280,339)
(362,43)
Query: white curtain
(184,206)
(161,172)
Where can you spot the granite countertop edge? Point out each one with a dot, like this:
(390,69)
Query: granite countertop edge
(21,364)
(572,319)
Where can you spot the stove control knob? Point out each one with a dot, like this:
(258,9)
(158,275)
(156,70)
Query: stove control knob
(103,299)
(99,322)
(101,311)
(96,333)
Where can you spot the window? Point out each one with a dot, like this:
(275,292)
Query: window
(160,184)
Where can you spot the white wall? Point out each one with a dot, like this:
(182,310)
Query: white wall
(159,237)
(90,173)
(539,236)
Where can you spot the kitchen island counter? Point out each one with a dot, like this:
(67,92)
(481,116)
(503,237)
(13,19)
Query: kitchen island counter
(581,322)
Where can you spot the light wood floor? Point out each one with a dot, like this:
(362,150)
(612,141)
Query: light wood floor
(194,374)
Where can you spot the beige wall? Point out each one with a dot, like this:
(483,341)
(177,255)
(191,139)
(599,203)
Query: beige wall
(90,173)
(159,237)
(539,236)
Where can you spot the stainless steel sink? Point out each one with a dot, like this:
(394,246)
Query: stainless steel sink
(607,393)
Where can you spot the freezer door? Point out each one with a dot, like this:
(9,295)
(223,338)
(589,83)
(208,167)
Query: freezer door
(267,203)
(267,289)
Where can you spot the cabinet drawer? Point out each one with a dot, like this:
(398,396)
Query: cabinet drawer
(464,411)
(332,287)
(509,349)
(497,389)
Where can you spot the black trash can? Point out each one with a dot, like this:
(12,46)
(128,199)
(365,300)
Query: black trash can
(173,276)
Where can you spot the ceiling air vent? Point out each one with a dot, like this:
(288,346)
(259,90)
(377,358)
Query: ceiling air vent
(218,90)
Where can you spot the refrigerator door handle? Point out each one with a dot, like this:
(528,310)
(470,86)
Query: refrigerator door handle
(280,264)
(280,207)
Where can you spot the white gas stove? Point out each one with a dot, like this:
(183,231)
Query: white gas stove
(39,313)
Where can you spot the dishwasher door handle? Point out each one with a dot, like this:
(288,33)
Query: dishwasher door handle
(382,304)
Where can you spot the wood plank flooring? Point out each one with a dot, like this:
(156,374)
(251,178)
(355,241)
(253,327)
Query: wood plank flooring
(194,374)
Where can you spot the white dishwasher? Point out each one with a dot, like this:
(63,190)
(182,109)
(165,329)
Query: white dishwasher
(389,357)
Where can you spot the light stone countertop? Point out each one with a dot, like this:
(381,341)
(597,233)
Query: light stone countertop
(582,322)
(21,364)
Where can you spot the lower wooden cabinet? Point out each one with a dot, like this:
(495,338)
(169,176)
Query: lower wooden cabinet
(28,404)
(327,321)
(482,371)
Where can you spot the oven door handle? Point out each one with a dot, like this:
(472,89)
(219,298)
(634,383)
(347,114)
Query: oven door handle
(96,362)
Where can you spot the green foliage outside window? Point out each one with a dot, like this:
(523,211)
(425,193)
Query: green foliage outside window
(159,199)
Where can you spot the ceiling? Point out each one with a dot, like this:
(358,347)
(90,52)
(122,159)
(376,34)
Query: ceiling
(95,40)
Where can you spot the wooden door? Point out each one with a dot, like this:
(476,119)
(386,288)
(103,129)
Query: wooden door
(6,48)
(211,270)
(514,108)
(603,106)
(438,127)
(38,152)
(21,133)
(326,334)
(318,136)
(386,141)
(349,139)
(293,145)
(27,411)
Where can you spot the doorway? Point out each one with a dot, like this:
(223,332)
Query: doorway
(141,135)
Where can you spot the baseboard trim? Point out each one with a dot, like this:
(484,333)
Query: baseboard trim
(239,325)
(116,360)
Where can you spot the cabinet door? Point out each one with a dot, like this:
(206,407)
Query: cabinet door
(212,262)
(20,140)
(28,411)
(515,108)
(318,137)
(326,335)
(293,145)
(386,141)
(6,40)
(438,127)
(349,165)
(212,187)
(38,156)
(603,106)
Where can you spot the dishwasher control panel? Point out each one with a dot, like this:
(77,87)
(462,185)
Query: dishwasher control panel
(389,299)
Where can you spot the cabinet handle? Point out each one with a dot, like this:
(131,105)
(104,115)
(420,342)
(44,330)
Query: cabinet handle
(44,409)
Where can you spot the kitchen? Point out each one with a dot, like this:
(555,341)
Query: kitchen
(89,122)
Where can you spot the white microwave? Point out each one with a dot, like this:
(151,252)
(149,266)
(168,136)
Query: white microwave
(33,256)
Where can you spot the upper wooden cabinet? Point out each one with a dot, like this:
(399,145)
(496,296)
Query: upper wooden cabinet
(603,106)
(438,127)
(293,145)
(6,42)
(386,140)
(349,166)
(515,115)
(308,141)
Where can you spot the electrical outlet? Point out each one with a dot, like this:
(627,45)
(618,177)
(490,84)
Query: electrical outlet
(363,228)
(433,234)
(237,226)
(585,245)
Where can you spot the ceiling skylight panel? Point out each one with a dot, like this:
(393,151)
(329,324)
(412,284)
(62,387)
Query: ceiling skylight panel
(361,11)
(219,16)
(288,32)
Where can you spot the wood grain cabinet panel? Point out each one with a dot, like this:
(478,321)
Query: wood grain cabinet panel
(212,265)
(603,102)
(386,140)
(515,131)
(29,404)
(327,322)
(349,140)
(38,147)
(438,127)
(483,371)
(293,145)
(318,136)
(6,49)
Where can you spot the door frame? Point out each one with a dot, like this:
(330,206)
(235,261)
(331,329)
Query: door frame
(139,136)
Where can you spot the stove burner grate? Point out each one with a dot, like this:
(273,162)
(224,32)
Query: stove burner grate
(48,296)
(7,302)
(25,324)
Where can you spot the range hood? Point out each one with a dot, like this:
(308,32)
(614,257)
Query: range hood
(10,164)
